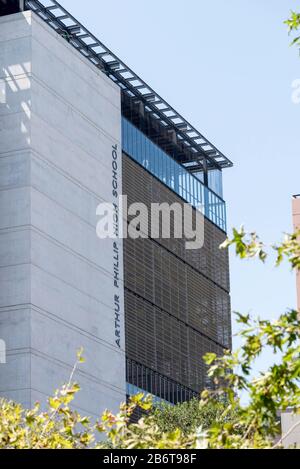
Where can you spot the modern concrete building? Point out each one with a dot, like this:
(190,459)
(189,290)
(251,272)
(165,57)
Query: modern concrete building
(77,128)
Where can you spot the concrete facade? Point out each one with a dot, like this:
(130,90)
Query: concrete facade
(290,430)
(59,120)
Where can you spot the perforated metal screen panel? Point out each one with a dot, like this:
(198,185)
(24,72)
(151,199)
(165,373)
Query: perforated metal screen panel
(177,303)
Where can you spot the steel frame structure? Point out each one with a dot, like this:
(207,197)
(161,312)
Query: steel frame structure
(202,153)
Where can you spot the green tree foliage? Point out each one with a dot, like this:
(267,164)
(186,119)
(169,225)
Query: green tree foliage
(189,416)
(293,23)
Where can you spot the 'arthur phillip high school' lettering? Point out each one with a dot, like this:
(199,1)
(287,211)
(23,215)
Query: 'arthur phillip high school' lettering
(116,254)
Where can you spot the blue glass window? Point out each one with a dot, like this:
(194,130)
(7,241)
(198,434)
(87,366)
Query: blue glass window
(175,176)
(215,181)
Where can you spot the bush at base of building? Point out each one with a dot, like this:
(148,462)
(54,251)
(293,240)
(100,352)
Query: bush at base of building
(191,415)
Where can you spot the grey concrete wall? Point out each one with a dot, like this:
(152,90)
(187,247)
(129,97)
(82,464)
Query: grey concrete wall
(290,430)
(59,121)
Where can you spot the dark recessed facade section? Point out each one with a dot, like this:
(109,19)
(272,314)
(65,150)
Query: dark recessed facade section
(145,378)
(9,7)
(165,138)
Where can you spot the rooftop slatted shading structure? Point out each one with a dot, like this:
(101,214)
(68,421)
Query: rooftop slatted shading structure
(197,153)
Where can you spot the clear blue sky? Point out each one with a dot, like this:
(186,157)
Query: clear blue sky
(226,65)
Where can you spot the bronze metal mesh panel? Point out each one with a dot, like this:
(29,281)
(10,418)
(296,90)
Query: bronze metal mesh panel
(165,344)
(173,286)
(140,186)
(177,304)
